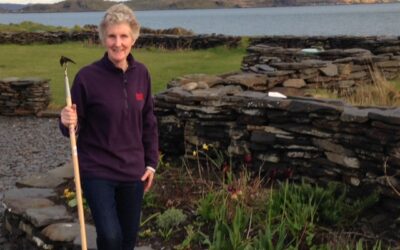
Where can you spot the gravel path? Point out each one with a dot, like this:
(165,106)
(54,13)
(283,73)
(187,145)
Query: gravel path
(28,146)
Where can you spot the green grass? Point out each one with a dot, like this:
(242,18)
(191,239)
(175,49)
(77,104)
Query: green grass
(396,83)
(41,60)
(29,26)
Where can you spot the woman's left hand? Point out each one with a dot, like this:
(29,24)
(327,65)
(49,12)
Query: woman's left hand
(148,179)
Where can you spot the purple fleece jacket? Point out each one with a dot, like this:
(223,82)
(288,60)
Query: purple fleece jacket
(117,130)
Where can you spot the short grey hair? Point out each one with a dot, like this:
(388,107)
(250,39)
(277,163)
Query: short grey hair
(116,14)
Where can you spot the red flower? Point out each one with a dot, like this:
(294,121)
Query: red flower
(248,158)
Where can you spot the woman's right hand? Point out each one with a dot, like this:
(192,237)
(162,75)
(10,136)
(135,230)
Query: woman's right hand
(69,116)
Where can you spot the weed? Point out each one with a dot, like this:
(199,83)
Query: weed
(169,220)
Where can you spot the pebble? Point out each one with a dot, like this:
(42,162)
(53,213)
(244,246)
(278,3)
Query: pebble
(28,146)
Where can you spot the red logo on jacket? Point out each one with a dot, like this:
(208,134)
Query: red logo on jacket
(139,96)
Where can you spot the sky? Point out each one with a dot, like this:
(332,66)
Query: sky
(39,1)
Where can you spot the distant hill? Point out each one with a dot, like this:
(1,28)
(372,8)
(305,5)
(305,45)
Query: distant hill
(101,5)
(7,7)
(70,6)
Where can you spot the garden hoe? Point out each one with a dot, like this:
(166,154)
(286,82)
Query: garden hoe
(64,63)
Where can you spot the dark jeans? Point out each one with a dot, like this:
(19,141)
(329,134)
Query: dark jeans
(115,208)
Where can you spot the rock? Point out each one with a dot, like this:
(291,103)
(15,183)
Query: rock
(190,86)
(351,114)
(41,181)
(294,83)
(47,215)
(20,205)
(248,80)
(65,172)
(64,232)
(29,193)
(330,70)
(343,160)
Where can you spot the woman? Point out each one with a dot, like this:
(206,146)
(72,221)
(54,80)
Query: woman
(117,132)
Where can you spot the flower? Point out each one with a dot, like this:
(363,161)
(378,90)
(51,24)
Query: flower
(69,194)
(247,158)
(205,146)
(234,196)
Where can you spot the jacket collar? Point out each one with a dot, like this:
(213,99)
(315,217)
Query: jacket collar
(110,65)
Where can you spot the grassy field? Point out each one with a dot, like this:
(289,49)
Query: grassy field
(41,60)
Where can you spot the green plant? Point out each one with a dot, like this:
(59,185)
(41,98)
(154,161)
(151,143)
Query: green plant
(297,211)
(169,220)
(230,227)
(149,218)
(192,236)
(273,237)
(207,206)
(150,200)
(70,197)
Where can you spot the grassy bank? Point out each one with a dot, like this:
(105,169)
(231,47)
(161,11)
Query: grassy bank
(41,60)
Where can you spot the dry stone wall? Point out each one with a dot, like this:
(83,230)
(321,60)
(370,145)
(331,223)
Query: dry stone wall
(320,140)
(23,96)
(336,63)
(36,218)
(145,40)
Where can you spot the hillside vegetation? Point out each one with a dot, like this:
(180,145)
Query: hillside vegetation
(101,5)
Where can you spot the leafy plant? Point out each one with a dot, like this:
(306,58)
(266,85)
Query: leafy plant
(192,236)
(169,220)
(207,206)
(150,200)
(70,196)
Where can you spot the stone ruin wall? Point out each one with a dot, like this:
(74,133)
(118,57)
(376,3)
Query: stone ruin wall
(342,64)
(145,40)
(23,96)
(320,140)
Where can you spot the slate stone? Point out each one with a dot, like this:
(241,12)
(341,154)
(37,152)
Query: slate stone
(343,160)
(190,86)
(207,110)
(265,68)
(48,215)
(20,205)
(66,171)
(29,193)
(249,80)
(70,232)
(346,84)
(264,138)
(269,157)
(279,73)
(351,114)
(305,130)
(9,79)
(388,64)
(301,154)
(294,83)
(330,70)
(357,75)
(311,106)
(391,116)
(41,181)
(327,145)
(209,79)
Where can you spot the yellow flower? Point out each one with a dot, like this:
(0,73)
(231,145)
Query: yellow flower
(194,153)
(205,146)
(66,191)
(234,196)
(69,194)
